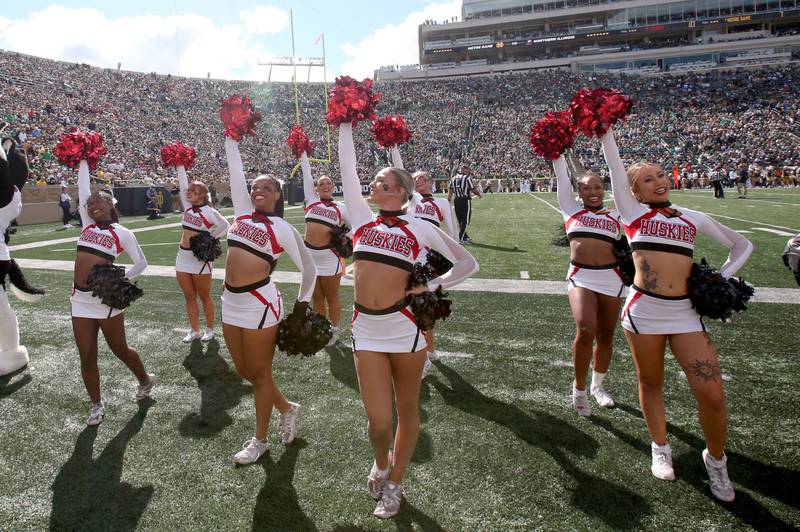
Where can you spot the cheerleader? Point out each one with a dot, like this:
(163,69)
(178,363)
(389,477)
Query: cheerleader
(194,275)
(322,215)
(657,309)
(388,346)
(593,281)
(102,240)
(252,306)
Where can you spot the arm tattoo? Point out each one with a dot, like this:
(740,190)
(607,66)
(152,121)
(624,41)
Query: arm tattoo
(708,370)
(650,279)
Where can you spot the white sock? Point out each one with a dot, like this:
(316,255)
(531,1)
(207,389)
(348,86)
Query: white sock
(209,329)
(576,390)
(664,447)
(597,379)
(384,472)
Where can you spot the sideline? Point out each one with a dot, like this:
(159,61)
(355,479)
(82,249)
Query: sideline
(789,296)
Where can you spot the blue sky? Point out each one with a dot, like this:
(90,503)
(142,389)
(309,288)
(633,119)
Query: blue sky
(227,39)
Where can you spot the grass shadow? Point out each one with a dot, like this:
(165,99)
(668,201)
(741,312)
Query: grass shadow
(555,437)
(497,248)
(342,366)
(88,494)
(277,505)
(7,387)
(221,389)
(767,479)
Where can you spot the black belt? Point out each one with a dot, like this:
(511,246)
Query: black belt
(591,267)
(247,288)
(382,312)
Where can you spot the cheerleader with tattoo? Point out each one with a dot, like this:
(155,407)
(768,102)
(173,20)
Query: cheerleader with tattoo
(389,348)
(194,272)
(252,306)
(326,220)
(102,240)
(594,282)
(657,310)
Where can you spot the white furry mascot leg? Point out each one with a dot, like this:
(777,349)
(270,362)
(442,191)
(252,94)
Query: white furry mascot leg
(13,174)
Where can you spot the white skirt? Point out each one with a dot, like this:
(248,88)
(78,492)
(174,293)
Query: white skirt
(648,313)
(84,305)
(603,280)
(186,262)
(326,260)
(256,306)
(392,330)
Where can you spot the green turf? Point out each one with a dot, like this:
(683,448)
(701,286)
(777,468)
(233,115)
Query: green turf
(512,233)
(500,447)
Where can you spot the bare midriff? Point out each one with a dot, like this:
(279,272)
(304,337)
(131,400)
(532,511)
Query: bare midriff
(243,268)
(187,235)
(591,251)
(378,286)
(317,234)
(84,262)
(662,272)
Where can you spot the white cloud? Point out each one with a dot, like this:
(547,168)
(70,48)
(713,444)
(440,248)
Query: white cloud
(185,44)
(394,44)
(264,19)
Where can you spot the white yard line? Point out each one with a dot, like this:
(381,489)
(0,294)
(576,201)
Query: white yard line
(773,231)
(744,231)
(531,194)
(506,286)
(795,231)
(524,275)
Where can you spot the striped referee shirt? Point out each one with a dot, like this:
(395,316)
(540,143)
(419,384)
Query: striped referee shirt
(461,185)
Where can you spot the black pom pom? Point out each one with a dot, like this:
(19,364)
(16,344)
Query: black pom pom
(108,282)
(341,243)
(429,307)
(624,255)
(205,247)
(438,262)
(561,238)
(303,332)
(714,296)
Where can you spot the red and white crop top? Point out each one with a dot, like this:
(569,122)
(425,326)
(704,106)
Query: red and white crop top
(106,240)
(263,234)
(326,212)
(200,218)
(579,221)
(395,238)
(672,229)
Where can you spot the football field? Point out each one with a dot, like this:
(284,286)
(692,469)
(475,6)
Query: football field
(500,446)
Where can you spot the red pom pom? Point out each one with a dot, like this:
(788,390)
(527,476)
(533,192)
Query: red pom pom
(299,142)
(238,117)
(76,146)
(552,135)
(351,101)
(178,154)
(391,131)
(595,111)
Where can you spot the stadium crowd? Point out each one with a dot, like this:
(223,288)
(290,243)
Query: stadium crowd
(701,124)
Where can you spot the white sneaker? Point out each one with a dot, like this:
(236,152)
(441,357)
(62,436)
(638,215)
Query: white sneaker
(376,480)
(389,504)
(67,226)
(251,451)
(721,486)
(207,336)
(602,397)
(433,356)
(334,337)
(143,391)
(191,337)
(426,368)
(289,423)
(580,400)
(661,466)
(96,415)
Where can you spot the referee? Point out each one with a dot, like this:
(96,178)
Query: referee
(461,185)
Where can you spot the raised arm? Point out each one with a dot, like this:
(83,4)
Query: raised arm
(84,191)
(629,207)
(183,184)
(239,195)
(309,191)
(220,223)
(566,198)
(131,246)
(449,215)
(464,264)
(740,248)
(291,241)
(351,186)
(397,161)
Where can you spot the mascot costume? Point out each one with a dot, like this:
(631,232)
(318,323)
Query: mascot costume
(13,175)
